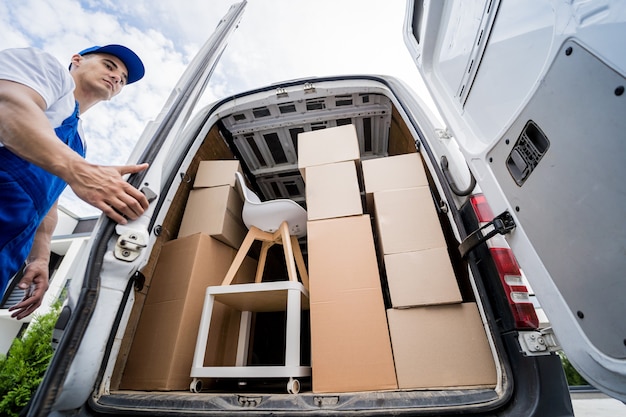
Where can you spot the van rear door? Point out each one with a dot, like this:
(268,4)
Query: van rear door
(533,92)
(93,315)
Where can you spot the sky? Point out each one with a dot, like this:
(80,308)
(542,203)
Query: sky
(276,40)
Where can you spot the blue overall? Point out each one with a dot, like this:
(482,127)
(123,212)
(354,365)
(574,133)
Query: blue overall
(27,193)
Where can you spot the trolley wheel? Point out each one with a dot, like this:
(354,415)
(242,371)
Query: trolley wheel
(293,386)
(196,385)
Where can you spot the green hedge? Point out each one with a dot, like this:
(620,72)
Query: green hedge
(23,368)
(572,375)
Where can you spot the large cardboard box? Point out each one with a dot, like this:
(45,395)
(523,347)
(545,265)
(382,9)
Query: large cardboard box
(216,172)
(421,278)
(350,346)
(441,346)
(332,190)
(392,173)
(215,211)
(326,146)
(164,343)
(407,220)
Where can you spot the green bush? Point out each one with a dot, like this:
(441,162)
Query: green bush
(572,375)
(23,368)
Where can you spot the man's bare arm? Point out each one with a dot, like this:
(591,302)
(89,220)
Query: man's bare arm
(25,131)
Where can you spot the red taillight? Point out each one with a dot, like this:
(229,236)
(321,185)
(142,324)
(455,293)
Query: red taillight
(508,269)
(481,208)
(516,292)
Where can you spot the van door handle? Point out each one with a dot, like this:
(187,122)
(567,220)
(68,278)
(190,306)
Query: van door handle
(450,181)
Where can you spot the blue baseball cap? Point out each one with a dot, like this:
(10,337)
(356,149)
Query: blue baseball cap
(133,63)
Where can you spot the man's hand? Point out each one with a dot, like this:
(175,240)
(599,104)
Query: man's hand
(35,282)
(105,188)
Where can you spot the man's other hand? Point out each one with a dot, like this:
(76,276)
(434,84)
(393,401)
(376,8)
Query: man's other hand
(35,283)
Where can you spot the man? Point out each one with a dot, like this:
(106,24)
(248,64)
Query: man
(42,151)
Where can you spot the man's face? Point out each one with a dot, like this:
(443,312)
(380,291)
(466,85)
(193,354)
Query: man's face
(103,74)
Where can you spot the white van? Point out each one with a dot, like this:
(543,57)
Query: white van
(411,301)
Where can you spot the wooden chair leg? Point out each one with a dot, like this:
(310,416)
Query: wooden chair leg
(252,235)
(304,276)
(288,250)
(291,249)
(262,259)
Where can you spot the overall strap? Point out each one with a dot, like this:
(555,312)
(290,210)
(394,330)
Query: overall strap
(43,187)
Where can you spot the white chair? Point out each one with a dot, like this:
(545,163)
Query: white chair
(279,221)
(272,222)
(269,215)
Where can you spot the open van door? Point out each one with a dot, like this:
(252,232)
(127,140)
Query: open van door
(534,94)
(92,315)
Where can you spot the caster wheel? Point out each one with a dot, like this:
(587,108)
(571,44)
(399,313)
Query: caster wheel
(195,386)
(293,386)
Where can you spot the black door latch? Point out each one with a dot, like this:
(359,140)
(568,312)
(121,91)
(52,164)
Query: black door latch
(501,224)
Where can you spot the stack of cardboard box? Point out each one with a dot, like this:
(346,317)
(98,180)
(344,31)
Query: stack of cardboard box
(411,241)
(429,338)
(438,341)
(164,343)
(350,345)
(214,205)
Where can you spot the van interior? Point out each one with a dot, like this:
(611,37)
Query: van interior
(440,352)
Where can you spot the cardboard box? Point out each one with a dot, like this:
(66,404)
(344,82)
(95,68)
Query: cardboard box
(216,172)
(332,190)
(421,278)
(215,211)
(407,221)
(327,146)
(350,346)
(164,343)
(441,346)
(392,173)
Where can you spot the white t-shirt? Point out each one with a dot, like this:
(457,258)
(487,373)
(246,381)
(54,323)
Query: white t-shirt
(46,75)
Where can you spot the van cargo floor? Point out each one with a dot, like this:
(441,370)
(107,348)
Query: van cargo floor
(224,403)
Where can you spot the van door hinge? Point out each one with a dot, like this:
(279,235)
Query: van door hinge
(129,246)
(540,342)
(443,133)
(501,224)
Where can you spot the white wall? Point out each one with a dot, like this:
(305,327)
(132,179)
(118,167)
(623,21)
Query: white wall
(66,224)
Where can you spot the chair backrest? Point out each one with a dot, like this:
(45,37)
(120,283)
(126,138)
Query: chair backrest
(246,193)
(268,215)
